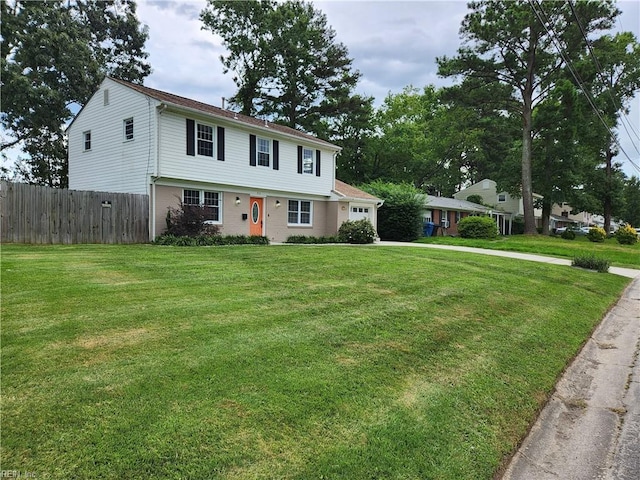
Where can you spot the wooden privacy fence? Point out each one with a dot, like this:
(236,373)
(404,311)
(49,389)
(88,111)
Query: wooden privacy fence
(36,214)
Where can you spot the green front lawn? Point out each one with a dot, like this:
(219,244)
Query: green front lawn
(619,255)
(292,362)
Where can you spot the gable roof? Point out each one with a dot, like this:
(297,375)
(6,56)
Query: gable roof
(347,191)
(446,203)
(189,104)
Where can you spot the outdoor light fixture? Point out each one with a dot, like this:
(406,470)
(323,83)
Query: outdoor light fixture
(237,200)
(277,203)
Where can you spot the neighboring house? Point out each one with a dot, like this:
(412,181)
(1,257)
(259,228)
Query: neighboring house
(504,207)
(445,213)
(257,177)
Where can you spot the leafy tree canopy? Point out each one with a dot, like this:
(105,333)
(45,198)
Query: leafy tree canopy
(54,55)
(287,62)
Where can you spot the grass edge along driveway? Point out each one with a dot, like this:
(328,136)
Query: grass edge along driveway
(282,361)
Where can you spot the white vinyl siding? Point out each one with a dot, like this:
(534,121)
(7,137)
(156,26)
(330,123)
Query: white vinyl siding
(111,164)
(235,170)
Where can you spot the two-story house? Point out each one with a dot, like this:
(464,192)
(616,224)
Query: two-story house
(256,177)
(504,207)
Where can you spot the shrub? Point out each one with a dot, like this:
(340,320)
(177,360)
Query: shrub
(313,240)
(210,240)
(626,235)
(477,227)
(357,231)
(189,221)
(568,234)
(517,226)
(476,199)
(592,263)
(400,217)
(597,234)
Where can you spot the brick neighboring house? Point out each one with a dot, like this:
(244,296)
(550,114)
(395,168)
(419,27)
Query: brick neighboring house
(256,177)
(446,212)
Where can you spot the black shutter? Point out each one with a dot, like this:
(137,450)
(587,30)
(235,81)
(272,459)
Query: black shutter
(276,155)
(317,163)
(221,144)
(252,150)
(299,159)
(191,137)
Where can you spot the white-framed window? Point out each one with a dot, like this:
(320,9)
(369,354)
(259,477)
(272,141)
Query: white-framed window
(299,212)
(86,138)
(458,216)
(426,217)
(204,135)
(360,209)
(127,125)
(502,197)
(211,200)
(307,160)
(191,197)
(106,96)
(264,151)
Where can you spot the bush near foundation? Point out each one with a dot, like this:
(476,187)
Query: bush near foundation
(357,231)
(477,227)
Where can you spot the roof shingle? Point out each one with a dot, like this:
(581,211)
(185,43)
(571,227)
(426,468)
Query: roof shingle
(207,109)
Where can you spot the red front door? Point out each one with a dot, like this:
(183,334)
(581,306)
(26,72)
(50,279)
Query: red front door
(255,216)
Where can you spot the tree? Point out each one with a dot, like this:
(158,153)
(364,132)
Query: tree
(516,44)
(610,70)
(400,217)
(631,196)
(288,65)
(54,55)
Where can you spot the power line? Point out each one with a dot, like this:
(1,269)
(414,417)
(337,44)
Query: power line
(534,6)
(599,69)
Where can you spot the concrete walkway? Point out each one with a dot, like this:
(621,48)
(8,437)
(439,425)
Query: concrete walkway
(625,272)
(590,428)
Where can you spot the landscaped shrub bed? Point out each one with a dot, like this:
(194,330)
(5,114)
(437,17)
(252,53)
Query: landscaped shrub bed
(210,240)
(309,239)
(591,262)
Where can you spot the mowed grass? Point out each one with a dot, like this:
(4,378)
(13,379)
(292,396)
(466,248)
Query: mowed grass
(619,255)
(280,362)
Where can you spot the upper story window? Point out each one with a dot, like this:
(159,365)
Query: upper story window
(264,152)
(307,160)
(106,96)
(502,197)
(205,140)
(86,136)
(128,129)
(299,212)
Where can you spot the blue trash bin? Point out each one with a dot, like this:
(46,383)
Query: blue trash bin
(427,229)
